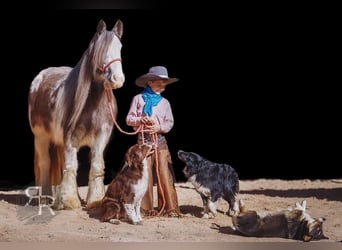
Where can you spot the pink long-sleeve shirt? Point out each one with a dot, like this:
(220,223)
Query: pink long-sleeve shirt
(161,113)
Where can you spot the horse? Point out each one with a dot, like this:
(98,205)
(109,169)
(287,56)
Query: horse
(69,108)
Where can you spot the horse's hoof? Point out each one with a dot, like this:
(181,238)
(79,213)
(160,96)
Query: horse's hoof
(72,203)
(58,206)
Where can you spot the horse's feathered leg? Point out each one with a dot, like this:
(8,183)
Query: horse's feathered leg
(96,189)
(69,198)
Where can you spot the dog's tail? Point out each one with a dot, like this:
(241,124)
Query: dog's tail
(94,204)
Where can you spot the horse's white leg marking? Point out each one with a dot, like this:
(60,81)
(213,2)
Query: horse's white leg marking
(96,189)
(69,191)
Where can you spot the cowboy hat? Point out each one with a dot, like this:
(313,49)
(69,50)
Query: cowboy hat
(154,73)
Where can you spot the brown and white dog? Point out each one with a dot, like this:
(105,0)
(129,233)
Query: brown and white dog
(125,192)
(291,224)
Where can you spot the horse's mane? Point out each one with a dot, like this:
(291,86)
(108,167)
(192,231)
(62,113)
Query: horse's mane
(78,83)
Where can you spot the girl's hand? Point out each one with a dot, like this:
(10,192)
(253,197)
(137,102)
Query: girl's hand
(155,128)
(146,121)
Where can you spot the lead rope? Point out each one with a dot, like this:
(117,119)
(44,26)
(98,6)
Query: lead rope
(141,130)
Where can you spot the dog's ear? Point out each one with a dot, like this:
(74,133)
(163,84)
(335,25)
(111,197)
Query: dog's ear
(128,157)
(128,161)
(242,206)
(304,205)
(138,153)
(301,206)
(133,154)
(126,165)
(297,205)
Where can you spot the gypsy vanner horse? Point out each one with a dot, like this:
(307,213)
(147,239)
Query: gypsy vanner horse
(68,109)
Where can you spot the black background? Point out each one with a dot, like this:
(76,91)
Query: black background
(257,88)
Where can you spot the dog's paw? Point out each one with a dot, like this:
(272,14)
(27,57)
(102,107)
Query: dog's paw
(214,214)
(215,226)
(232,212)
(205,216)
(114,221)
(140,222)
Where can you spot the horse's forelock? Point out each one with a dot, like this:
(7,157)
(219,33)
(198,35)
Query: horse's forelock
(99,50)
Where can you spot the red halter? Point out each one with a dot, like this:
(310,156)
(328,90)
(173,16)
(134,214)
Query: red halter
(104,68)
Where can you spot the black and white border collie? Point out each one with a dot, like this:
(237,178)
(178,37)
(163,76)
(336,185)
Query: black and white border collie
(212,181)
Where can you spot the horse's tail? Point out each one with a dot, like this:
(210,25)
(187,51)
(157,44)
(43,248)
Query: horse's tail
(57,161)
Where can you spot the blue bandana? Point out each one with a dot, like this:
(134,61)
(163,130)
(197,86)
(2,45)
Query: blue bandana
(151,99)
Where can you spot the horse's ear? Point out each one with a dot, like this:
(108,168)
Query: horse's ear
(118,28)
(101,26)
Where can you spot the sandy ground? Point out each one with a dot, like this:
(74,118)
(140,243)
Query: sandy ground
(23,224)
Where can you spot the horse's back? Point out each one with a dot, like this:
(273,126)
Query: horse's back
(49,78)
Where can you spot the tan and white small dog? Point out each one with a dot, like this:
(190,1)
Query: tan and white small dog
(291,224)
(125,192)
